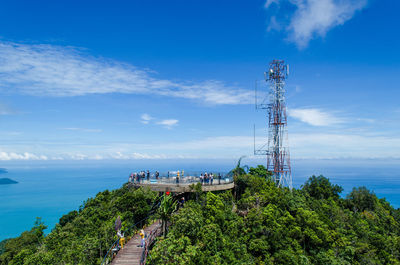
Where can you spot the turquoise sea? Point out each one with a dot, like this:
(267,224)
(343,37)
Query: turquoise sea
(52,189)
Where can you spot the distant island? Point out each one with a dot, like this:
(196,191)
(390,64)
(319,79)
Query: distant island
(5,181)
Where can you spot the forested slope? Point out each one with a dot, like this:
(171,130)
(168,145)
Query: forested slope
(81,237)
(257,223)
(263,224)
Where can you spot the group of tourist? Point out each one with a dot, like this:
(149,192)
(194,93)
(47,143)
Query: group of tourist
(137,176)
(208,178)
(121,236)
(146,174)
(205,178)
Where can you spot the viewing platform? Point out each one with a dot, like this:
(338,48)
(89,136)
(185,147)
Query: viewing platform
(185,184)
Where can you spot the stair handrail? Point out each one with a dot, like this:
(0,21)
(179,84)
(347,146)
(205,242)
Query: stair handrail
(151,213)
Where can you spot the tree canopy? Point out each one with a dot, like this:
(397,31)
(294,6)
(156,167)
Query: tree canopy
(264,224)
(256,223)
(80,237)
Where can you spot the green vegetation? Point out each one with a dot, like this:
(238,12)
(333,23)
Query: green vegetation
(80,237)
(256,223)
(2,246)
(167,207)
(263,224)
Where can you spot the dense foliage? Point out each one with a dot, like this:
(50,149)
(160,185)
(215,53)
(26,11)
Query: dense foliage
(167,207)
(80,237)
(256,223)
(263,224)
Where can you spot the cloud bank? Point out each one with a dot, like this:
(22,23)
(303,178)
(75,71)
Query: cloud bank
(6,156)
(82,129)
(47,70)
(302,146)
(314,18)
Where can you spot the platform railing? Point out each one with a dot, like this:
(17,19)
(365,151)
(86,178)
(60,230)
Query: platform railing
(186,179)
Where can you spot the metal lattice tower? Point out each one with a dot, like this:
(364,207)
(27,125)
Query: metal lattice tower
(278,157)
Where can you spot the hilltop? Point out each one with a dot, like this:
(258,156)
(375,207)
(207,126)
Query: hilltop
(256,223)
(263,224)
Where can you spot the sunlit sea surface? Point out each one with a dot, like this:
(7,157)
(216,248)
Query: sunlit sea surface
(50,190)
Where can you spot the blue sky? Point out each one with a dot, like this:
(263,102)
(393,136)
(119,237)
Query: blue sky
(175,79)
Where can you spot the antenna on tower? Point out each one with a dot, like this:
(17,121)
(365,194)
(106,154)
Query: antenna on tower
(278,156)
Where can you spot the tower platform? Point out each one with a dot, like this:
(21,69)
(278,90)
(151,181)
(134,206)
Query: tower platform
(170,185)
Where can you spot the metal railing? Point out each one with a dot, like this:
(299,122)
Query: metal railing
(189,179)
(149,241)
(108,258)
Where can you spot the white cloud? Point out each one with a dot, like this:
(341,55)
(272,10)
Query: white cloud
(83,129)
(367,120)
(312,145)
(274,24)
(23,156)
(330,145)
(64,71)
(315,117)
(168,123)
(314,18)
(97,157)
(301,145)
(270,2)
(8,156)
(146,118)
(135,155)
(212,143)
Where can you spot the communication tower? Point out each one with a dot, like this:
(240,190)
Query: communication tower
(278,157)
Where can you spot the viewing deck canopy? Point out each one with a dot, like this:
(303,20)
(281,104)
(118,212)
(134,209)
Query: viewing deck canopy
(185,184)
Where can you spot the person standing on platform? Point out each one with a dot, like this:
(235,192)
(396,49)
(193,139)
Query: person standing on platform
(118,226)
(177,177)
(142,241)
(181,202)
(130,177)
(121,238)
